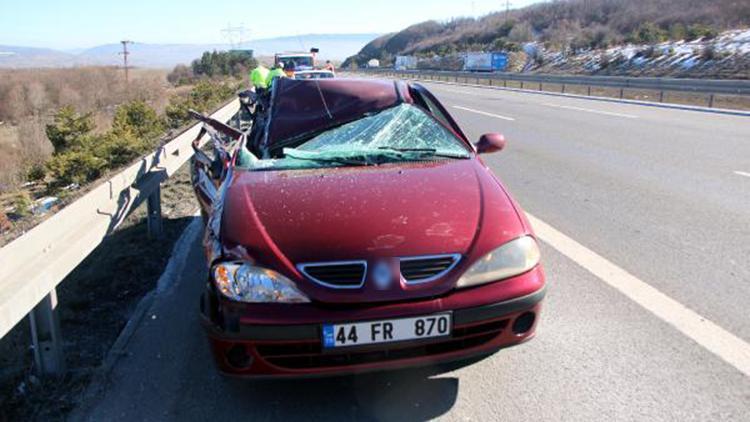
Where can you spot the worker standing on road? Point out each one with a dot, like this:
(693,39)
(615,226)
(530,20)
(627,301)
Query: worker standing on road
(276,72)
(258,77)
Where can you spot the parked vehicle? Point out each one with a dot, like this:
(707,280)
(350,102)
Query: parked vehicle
(373,63)
(314,74)
(355,228)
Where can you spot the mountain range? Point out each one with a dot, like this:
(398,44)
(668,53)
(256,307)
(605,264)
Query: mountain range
(332,46)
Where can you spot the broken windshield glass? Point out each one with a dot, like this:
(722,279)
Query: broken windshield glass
(401,133)
(403,126)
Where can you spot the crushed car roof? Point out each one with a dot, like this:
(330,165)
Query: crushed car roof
(304,106)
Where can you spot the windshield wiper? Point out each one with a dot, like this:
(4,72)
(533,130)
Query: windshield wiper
(352,161)
(432,152)
(347,161)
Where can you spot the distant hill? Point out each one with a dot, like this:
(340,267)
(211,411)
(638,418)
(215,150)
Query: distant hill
(11,56)
(332,46)
(572,25)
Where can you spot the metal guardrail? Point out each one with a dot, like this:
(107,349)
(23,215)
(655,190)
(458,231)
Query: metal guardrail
(710,87)
(33,265)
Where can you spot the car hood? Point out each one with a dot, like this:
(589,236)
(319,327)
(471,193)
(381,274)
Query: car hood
(285,218)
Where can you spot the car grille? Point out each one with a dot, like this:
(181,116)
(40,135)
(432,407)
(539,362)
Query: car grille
(340,275)
(309,354)
(421,269)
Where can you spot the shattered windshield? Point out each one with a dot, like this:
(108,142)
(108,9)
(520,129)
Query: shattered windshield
(401,133)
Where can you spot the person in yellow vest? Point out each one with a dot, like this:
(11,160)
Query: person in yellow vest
(276,72)
(258,77)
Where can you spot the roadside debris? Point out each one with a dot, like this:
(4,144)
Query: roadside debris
(44,205)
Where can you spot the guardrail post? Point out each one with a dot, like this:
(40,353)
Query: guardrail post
(153,219)
(540,86)
(46,337)
(588,90)
(622,93)
(505,83)
(661,96)
(711,101)
(490,82)
(521,84)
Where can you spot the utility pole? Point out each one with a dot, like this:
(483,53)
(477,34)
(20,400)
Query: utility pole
(125,54)
(507,9)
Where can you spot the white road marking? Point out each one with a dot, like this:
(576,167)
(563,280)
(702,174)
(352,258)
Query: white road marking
(712,337)
(497,116)
(456,91)
(742,173)
(606,113)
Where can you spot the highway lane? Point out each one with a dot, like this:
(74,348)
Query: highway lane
(629,188)
(656,194)
(597,356)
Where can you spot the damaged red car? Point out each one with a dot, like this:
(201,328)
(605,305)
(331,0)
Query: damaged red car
(353,227)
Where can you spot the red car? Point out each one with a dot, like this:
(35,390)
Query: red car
(354,228)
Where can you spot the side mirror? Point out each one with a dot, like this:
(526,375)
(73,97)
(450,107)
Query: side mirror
(490,142)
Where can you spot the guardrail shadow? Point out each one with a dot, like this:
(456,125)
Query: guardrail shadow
(147,180)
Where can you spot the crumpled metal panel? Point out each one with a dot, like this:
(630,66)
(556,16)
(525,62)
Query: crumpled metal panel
(304,106)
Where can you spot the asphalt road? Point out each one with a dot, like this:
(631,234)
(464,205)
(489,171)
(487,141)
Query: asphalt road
(647,320)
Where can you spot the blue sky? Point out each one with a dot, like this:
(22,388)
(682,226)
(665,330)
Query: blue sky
(68,24)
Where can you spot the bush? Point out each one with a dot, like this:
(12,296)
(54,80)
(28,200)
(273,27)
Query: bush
(180,75)
(22,204)
(138,118)
(224,63)
(648,33)
(677,31)
(709,53)
(81,156)
(69,128)
(77,166)
(701,31)
(118,148)
(176,112)
(521,32)
(204,96)
(36,173)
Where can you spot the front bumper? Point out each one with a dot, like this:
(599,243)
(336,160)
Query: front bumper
(249,347)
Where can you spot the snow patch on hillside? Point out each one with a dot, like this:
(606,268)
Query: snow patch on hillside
(726,54)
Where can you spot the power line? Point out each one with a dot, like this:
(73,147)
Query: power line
(235,35)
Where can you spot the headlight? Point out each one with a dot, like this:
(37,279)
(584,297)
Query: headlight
(513,258)
(244,282)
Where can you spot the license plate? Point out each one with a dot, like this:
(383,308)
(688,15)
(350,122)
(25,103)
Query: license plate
(386,331)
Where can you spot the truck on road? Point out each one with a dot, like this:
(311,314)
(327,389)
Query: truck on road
(405,62)
(301,60)
(485,62)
